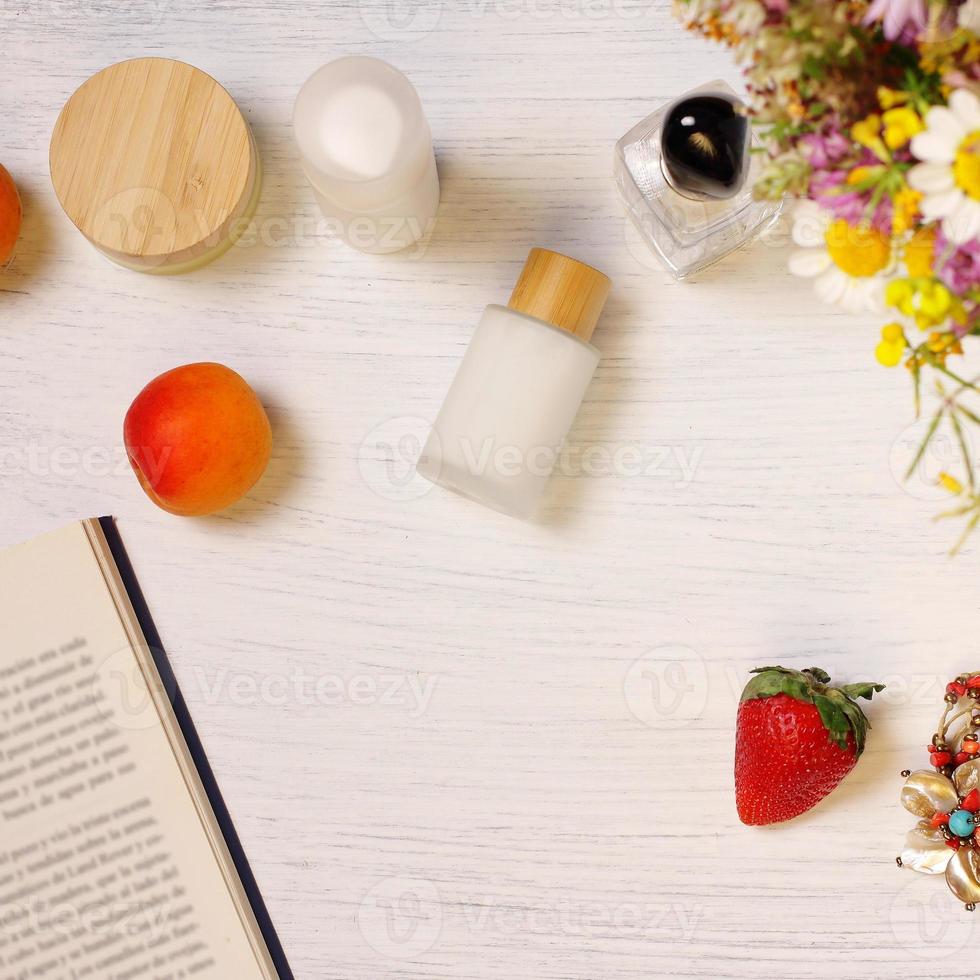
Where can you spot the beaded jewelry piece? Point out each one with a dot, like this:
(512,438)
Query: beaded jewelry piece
(946,798)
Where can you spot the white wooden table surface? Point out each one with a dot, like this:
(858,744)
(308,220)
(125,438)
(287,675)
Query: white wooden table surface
(457,746)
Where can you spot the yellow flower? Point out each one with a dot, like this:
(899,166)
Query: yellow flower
(888,98)
(919,252)
(934,303)
(889,352)
(849,265)
(966,166)
(951,483)
(859,250)
(867,133)
(901,125)
(860,174)
(906,207)
(900,293)
(940,345)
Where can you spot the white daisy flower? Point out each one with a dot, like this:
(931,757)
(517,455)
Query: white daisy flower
(969,15)
(949,178)
(850,266)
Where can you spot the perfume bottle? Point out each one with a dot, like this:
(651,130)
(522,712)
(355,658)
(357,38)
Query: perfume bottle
(686,174)
(366,149)
(519,386)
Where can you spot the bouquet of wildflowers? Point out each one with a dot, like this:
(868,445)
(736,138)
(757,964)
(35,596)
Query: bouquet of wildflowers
(872,114)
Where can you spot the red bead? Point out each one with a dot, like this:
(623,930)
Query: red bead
(962,757)
(940,819)
(974,682)
(972,801)
(956,687)
(940,759)
(970,748)
(954,844)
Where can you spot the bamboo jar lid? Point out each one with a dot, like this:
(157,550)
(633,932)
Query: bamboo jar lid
(561,291)
(155,165)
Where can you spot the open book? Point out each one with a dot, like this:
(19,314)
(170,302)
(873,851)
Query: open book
(117,857)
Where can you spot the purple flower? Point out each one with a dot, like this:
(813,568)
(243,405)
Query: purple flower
(826,148)
(898,16)
(958,267)
(830,190)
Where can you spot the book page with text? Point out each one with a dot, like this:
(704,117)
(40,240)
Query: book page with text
(106,871)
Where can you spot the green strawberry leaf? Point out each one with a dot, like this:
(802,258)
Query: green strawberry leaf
(866,690)
(840,713)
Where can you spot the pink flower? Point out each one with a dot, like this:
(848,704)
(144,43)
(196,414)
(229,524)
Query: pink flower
(826,148)
(829,190)
(897,16)
(958,266)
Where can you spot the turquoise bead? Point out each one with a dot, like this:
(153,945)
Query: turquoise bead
(961,823)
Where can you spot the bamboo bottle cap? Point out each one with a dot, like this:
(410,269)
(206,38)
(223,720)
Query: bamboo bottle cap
(154,163)
(562,291)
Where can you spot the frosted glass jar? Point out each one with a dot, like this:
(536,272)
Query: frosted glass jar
(519,387)
(366,149)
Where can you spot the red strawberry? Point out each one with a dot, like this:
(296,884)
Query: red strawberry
(796,739)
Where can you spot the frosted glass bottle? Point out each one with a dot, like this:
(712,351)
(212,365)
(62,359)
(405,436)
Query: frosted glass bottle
(519,387)
(366,149)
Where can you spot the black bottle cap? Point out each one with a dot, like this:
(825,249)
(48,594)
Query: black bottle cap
(705,142)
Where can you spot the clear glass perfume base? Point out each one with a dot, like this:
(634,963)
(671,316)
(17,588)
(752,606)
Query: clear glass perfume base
(688,235)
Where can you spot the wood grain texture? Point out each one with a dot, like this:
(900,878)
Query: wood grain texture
(457,746)
(561,290)
(154,163)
